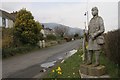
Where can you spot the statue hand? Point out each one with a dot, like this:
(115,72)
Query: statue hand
(92,36)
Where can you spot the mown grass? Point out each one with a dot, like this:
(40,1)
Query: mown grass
(70,68)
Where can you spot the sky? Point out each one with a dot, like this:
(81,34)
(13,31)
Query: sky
(67,12)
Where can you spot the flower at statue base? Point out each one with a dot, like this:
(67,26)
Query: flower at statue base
(53,70)
(57,72)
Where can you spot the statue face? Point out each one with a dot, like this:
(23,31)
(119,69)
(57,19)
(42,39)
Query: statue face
(94,11)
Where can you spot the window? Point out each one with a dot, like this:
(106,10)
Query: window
(3,21)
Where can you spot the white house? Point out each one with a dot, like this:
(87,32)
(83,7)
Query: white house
(6,19)
(49,31)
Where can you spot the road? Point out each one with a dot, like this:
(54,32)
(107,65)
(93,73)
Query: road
(28,65)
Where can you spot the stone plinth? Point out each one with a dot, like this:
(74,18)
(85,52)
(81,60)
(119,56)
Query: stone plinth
(92,71)
(84,69)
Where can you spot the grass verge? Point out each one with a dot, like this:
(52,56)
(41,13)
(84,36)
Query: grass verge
(70,67)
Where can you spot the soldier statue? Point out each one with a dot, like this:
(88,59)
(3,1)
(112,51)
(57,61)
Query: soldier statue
(95,37)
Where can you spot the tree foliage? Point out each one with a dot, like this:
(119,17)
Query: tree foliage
(112,46)
(61,30)
(76,35)
(51,37)
(7,37)
(26,29)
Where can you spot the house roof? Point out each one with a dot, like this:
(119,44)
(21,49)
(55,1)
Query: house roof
(7,15)
(48,29)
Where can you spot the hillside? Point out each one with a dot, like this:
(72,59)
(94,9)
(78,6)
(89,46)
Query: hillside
(71,30)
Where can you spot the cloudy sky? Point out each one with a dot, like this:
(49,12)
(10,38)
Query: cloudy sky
(67,12)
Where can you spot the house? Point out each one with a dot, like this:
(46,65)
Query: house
(49,31)
(6,19)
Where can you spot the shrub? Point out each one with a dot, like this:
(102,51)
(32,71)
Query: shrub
(51,37)
(112,46)
(7,37)
(7,52)
(26,29)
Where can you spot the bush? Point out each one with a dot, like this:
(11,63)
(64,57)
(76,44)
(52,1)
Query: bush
(26,29)
(112,46)
(7,37)
(7,52)
(51,37)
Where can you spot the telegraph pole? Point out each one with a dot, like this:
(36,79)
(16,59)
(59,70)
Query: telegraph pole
(84,56)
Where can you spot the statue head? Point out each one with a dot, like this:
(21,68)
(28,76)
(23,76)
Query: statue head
(94,11)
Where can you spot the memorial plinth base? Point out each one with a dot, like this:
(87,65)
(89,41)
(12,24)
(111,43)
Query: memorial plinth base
(92,72)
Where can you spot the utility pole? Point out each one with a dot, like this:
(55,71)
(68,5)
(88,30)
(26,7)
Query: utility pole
(84,56)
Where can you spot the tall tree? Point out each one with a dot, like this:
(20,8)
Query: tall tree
(61,30)
(26,29)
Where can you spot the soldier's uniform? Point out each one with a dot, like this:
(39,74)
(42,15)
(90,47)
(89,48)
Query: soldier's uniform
(95,28)
(95,38)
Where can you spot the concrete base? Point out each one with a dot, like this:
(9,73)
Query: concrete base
(88,76)
(92,71)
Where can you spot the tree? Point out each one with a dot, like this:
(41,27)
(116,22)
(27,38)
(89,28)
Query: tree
(76,35)
(26,29)
(61,30)
(51,37)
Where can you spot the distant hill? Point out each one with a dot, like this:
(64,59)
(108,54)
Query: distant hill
(51,25)
(76,30)
(71,31)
